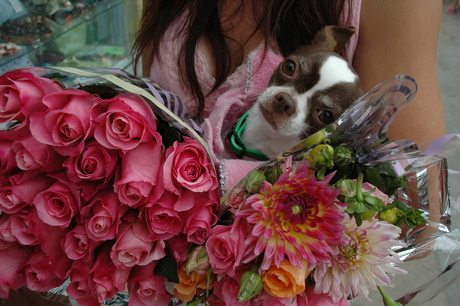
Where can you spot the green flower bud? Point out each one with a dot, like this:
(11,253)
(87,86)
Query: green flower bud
(347,188)
(254,180)
(251,284)
(343,156)
(321,156)
(198,261)
(273,173)
(389,215)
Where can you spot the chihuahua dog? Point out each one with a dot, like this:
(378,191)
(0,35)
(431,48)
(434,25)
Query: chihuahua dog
(310,89)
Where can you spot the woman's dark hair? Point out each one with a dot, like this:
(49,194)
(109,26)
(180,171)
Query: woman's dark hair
(288,23)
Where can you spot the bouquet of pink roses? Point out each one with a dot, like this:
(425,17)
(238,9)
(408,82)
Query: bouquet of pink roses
(100,180)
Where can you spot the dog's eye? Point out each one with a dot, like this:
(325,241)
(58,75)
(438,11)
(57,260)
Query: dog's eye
(288,67)
(326,117)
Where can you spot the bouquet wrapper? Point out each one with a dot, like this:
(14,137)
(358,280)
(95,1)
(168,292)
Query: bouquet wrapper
(431,171)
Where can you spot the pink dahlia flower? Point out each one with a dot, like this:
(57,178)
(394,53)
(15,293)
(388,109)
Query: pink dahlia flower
(298,217)
(363,262)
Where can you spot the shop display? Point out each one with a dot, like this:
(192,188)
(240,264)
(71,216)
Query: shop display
(9,49)
(64,33)
(26,30)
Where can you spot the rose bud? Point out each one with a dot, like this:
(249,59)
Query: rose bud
(251,284)
(198,261)
(254,181)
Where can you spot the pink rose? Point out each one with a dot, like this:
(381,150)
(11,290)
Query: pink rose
(108,280)
(81,286)
(264,298)
(133,246)
(58,204)
(163,221)
(139,173)
(43,273)
(228,247)
(67,122)
(179,246)
(225,290)
(200,219)
(146,288)
(7,157)
(21,94)
(102,216)
(13,261)
(7,238)
(91,170)
(23,227)
(237,198)
(22,191)
(29,229)
(322,299)
(31,154)
(124,122)
(77,245)
(187,165)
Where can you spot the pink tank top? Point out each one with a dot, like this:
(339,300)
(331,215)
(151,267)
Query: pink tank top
(237,94)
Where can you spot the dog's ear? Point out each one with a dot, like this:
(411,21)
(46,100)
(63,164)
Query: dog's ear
(334,37)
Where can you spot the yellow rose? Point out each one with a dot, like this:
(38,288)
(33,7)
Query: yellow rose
(284,281)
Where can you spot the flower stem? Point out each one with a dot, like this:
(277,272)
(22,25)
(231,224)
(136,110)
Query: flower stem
(387,300)
(359,187)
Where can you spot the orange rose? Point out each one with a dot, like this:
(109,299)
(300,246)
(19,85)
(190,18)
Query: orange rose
(186,288)
(284,281)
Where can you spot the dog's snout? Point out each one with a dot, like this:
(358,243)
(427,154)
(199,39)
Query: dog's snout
(285,104)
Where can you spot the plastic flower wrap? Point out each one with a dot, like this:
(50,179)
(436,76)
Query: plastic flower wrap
(103,180)
(343,215)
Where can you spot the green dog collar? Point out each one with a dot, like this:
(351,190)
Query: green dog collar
(235,140)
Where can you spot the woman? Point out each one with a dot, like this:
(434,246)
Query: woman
(220,46)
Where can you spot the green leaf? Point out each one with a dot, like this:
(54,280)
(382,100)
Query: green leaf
(393,183)
(401,205)
(359,219)
(169,133)
(373,203)
(414,218)
(360,207)
(351,207)
(167,267)
(373,176)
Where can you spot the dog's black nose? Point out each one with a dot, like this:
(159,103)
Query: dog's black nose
(284,104)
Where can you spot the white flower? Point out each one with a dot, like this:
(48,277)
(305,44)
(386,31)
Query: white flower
(361,263)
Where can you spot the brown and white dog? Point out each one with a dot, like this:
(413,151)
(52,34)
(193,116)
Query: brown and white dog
(310,89)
